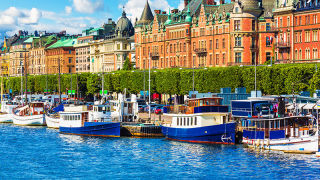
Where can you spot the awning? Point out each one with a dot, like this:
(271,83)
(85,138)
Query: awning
(22,108)
(309,106)
(290,106)
(301,105)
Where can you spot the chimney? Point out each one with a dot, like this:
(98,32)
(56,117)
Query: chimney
(174,11)
(211,2)
(157,11)
(110,21)
(233,1)
(186,2)
(221,2)
(163,12)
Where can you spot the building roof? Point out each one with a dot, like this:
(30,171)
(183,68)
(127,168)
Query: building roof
(146,16)
(69,42)
(124,26)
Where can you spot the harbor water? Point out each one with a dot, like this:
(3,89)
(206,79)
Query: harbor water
(42,153)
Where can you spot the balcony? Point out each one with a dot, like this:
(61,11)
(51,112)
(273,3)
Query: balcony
(201,52)
(283,45)
(154,55)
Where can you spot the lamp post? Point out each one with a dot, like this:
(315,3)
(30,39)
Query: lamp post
(59,80)
(149,86)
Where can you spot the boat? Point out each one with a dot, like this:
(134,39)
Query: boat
(6,111)
(75,120)
(294,134)
(52,120)
(30,115)
(204,120)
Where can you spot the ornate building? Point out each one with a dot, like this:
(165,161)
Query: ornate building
(108,54)
(19,54)
(298,24)
(204,34)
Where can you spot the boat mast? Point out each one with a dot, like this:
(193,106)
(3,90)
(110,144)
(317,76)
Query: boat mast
(59,81)
(1,85)
(25,74)
(149,87)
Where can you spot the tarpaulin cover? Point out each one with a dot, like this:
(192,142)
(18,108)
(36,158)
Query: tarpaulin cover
(59,108)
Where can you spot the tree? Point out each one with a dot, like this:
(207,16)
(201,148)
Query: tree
(127,64)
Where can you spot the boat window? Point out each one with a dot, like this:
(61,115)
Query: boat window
(188,119)
(266,124)
(99,109)
(201,102)
(272,124)
(191,123)
(178,119)
(184,121)
(195,121)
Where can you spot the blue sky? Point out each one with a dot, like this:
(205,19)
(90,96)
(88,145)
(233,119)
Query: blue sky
(70,15)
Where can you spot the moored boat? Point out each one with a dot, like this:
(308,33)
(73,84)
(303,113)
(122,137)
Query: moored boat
(75,120)
(30,115)
(52,121)
(6,111)
(204,120)
(294,134)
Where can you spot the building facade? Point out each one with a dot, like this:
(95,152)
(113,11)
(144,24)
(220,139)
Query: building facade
(19,54)
(205,34)
(61,55)
(298,24)
(109,54)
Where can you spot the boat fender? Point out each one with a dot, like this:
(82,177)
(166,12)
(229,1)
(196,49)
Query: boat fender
(258,143)
(268,142)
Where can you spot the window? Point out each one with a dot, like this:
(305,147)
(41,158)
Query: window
(281,25)
(217,30)
(217,43)
(268,28)
(237,25)
(253,25)
(238,57)
(315,35)
(300,54)
(307,56)
(194,45)
(210,44)
(315,19)
(70,60)
(315,53)
(268,56)
(223,58)
(178,119)
(288,21)
(69,51)
(195,121)
(238,41)
(202,32)
(188,121)
(307,36)
(184,121)
(184,47)
(223,43)
(268,41)
(300,20)
(217,59)
(210,59)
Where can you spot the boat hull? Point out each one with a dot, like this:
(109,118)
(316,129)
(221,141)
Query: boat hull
(215,134)
(34,120)
(52,122)
(107,129)
(294,145)
(6,118)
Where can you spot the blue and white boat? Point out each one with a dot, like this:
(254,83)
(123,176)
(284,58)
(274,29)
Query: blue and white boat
(76,120)
(204,120)
(295,134)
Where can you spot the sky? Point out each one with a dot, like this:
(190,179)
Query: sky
(70,15)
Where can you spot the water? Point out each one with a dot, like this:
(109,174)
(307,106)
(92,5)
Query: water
(42,153)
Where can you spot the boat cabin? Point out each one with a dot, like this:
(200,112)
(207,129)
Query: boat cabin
(277,128)
(101,108)
(73,119)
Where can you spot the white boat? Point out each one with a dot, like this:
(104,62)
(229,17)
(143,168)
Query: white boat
(6,111)
(30,115)
(52,121)
(288,134)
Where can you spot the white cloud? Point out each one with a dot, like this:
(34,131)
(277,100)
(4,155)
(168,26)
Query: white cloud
(87,6)
(13,16)
(181,5)
(68,9)
(134,8)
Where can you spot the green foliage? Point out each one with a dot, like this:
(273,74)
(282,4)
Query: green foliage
(275,79)
(127,65)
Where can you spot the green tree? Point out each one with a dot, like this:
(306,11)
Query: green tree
(127,64)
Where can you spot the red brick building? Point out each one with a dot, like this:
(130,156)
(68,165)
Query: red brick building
(205,34)
(298,23)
